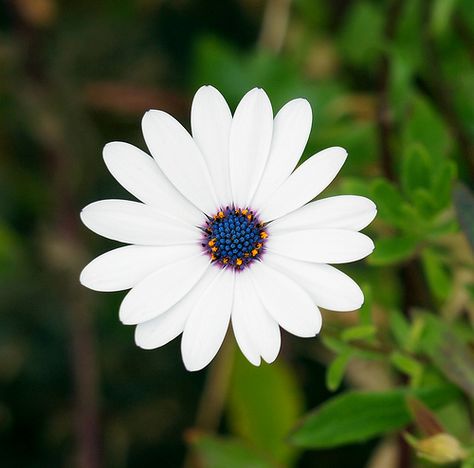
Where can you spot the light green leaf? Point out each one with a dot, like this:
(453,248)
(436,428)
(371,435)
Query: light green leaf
(407,365)
(220,452)
(439,280)
(391,205)
(426,127)
(415,171)
(336,370)
(392,250)
(400,327)
(358,332)
(442,183)
(358,416)
(264,404)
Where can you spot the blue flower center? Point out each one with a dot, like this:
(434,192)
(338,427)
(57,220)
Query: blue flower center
(234,238)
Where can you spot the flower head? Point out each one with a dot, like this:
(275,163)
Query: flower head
(225,230)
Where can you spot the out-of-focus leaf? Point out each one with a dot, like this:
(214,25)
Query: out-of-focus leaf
(391,206)
(415,171)
(358,416)
(438,278)
(336,369)
(359,332)
(425,126)
(400,327)
(449,353)
(365,312)
(441,15)
(264,404)
(220,452)
(362,49)
(392,250)
(407,365)
(464,203)
(442,183)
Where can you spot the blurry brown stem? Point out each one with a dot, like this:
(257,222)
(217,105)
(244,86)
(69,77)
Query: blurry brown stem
(274,25)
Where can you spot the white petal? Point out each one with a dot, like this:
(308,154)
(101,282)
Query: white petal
(255,331)
(136,223)
(179,158)
(308,181)
(161,290)
(321,245)
(249,145)
(287,302)
(210,123)
(329,287)
(342,212)
(124,267)
(291,129)
(207,324)
(167,326)
(140,175)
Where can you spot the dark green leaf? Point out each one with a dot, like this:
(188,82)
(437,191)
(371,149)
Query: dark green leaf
(264,404)
(392,250)
(359,416)
(220,452)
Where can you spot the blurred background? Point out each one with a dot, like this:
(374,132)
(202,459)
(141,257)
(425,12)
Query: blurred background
(392,82)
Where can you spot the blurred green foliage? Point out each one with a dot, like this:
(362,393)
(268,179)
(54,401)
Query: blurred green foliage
(392,82)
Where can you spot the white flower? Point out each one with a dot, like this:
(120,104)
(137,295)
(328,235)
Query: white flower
(224,231)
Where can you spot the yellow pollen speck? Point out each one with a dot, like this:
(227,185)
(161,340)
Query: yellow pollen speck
(245,211)
(254,252)
(214,249)
(213,257)
(259,245)
(263,235)
(225,260)
(238,262)
(246,254)
(249,217)
(212,242)
(220,214)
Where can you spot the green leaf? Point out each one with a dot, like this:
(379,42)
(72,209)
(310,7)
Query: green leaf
(464,203)
(391,206)
(439,280)
(264,404)
(220,452)
(365,312)
(407,365)
(336,370)
(400,327)
(442,184)
(415,171)
(358,416)
(426,127)
(358,332)
(392,250)
(362,49)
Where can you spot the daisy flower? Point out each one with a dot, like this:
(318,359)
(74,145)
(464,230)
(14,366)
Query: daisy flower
(225,230)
